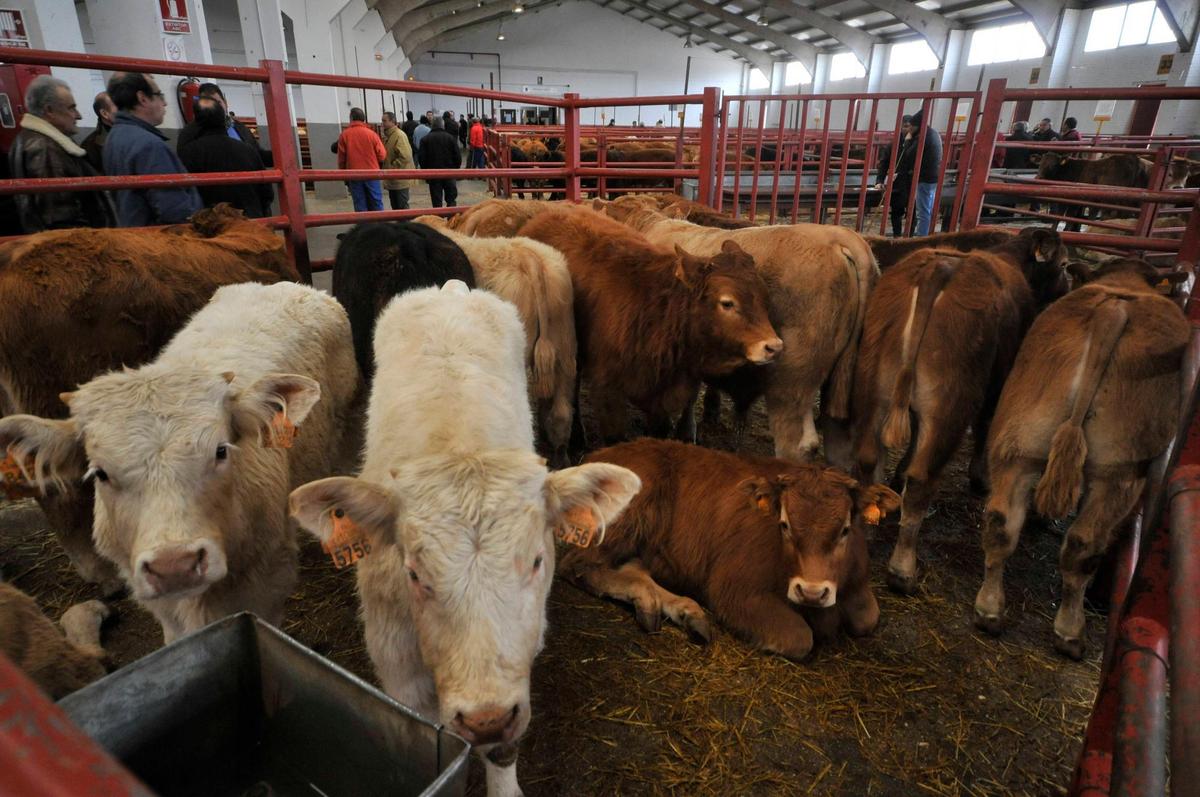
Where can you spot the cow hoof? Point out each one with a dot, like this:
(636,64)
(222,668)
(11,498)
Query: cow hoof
(650,621)
(698,629)
(901,583)
(991,623)
(1071,648)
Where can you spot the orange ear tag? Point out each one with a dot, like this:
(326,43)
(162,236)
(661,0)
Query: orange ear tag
(578,527)
(872,514)
(347,544)
(282,432)
(13,485)
(763,503)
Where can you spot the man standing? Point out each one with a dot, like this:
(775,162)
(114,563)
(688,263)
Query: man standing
(233,128)
(359,147)
(931,165)
(450,124)
(409,126)
(216,151)
(1017,158)
(463,129)
(1070,131)
(135,146)
(901,181)
(475,139)
(439,150)
(94,143)
(44,148)
(419,133)
(399,156)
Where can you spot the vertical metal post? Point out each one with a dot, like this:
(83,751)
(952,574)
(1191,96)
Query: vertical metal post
(722,147)
(1184,621)
(287,160)
(981,158)
(572,143)
(709,178)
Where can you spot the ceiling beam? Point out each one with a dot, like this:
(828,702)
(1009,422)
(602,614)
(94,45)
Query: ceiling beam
(1182,17)
(800,50)
(422,12)
(934,28)
(1045,15)
(858,40)
(755,57)
(418,41)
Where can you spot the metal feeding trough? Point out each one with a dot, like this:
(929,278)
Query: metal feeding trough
(239,709)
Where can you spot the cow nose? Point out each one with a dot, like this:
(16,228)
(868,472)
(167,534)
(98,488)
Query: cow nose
(487,725)
(765,350)
(816,594)
(176,569)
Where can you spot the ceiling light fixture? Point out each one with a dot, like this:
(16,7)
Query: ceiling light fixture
(500,34)
(762,16)
(518,8)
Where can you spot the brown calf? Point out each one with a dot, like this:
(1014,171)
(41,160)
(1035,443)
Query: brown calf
(942,330)
(58,664)
(751,538)
(890,251)
(498,218)
(651,322)
(1092,398)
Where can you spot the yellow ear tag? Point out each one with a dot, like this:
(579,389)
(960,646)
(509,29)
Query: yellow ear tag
(763,503)
(578,527)
(347,544)
(872,514)
(13,485)
(282,432)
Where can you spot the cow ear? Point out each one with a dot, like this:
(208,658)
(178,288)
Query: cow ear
(1080,272)
(367,507)
(1046,245)
(674,212)
(873,501)
(43,449)
(257,408)
(594,494)
(730,247)
(599,205)
(763,493)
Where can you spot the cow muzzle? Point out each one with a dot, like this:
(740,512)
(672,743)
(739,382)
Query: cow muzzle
(178,570)
(821,594)
(488,724)
(764,351)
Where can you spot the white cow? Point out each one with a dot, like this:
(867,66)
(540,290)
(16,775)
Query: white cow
(458,513)
(190,505)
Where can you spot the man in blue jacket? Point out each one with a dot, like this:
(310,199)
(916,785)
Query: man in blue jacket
(136,147)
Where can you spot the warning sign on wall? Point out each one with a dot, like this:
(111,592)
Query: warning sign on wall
(1165,63)
(174,16)
(12,29)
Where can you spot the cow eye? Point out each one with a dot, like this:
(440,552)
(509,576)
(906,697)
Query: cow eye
(412,576)
(537,562)
(784,526)
(728,304)
(95,473)
(845,532)
(222,452)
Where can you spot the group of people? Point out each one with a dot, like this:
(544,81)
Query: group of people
(434,142)
(1013,158)
(127,142)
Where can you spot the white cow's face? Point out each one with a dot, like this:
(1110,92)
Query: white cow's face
(165,449)
(476,538)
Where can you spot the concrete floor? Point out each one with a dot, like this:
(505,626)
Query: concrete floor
(322,241)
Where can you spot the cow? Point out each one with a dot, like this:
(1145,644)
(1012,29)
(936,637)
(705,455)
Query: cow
(890,251)
(818,279)
(498,218)
(651,322)
(377,260)
(58,664)
(750,537)
(941,332)
(1093,397)
(535,278)
(78,303)
(455,513)
(190,500)
(694,212)
(1115,170)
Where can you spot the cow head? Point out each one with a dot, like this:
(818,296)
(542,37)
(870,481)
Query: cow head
(820,513)
(1048,165)
(1042,256)
(729,313)
(166,449)
(471,549)
(1178,172)
(1131,266)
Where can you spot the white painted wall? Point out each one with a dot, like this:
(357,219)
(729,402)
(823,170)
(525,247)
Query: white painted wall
(52,25)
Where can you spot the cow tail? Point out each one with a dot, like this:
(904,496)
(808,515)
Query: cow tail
(1061,484)
(897,428)
(545,353)
(841,380)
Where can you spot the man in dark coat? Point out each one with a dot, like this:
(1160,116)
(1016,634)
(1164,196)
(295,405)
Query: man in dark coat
(213,150)
(409,126)
(233,128)
(1018,158)
(451,125)
(930,169)
(439,150)
(94,143)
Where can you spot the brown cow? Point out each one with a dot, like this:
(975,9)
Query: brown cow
(819,277)
(1093,397)
(890,251)
(1116,170)
(498,218)
(58,664)
(77,303)
(651,322)
(941,333)
(749,537)
(676,206)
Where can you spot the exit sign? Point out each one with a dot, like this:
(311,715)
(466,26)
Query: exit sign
(174,16)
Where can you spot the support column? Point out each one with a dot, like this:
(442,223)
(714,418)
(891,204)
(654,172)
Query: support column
(1056,66)
(877,68)
(312,27)
(1181,116)
(262,39)
(956,57)
(821,73)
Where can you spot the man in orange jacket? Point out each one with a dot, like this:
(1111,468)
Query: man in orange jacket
(359,147)
(475,140)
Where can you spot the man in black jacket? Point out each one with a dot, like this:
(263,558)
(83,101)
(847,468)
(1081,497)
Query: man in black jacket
(214,150)
(233,128)
(1018,158)
(929,171)
(408,127)
(439,150)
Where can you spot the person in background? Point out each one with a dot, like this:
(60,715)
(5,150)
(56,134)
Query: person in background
(450,124)
(44,149)
(359,147)
(1017,158)
(930,168)
(901,181)
(213,150)
(439,150)
(419,133)
(135,146)
(399,156)
(1069,131)
(477,156)
(612,122)
(1044,131)
(105,111)
(463,129)
(408,127)
(233,128)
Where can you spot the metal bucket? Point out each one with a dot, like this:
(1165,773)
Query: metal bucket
(239,709)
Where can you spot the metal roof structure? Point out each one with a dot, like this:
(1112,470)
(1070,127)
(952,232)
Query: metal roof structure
(761,32)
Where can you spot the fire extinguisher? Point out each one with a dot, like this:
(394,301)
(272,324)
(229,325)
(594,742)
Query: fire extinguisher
(188,91)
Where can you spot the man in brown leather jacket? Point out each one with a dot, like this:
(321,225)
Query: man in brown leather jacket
(44,148)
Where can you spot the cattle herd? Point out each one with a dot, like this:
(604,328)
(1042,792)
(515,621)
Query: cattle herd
(175,401)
